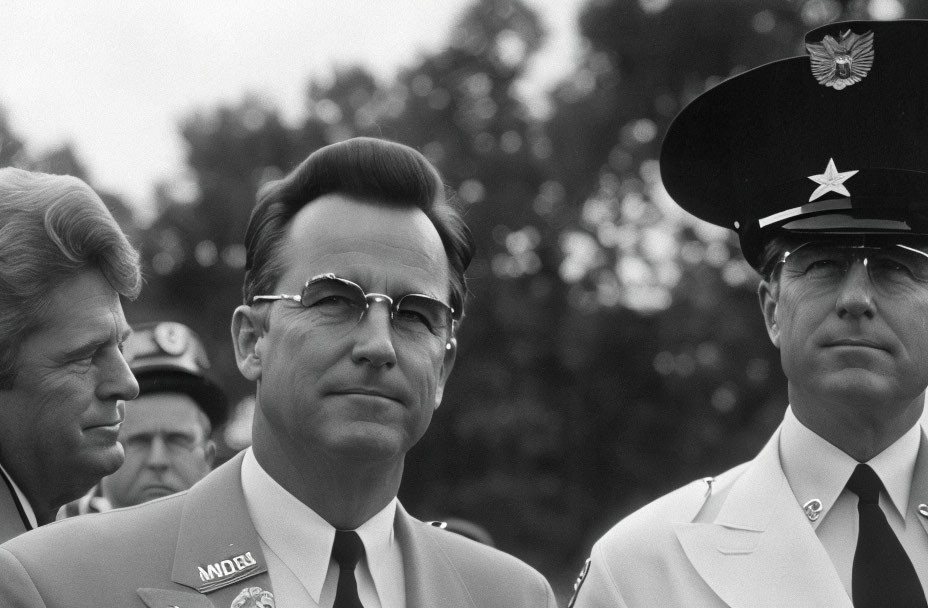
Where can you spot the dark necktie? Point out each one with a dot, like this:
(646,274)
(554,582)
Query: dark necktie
(883,574)
(346,551)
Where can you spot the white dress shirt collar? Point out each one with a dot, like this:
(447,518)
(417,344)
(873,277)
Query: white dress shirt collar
(23,501)
(816,469)
(288,527)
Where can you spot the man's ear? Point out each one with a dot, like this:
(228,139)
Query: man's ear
(451,353)
(768,292)
(247,331)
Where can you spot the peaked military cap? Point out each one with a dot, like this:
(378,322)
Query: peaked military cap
(169,357)
(832,142)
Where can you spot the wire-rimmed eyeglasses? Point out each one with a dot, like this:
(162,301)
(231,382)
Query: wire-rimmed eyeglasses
(891,268)
(338,301)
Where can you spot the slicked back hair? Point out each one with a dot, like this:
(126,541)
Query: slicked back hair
(372,170)
(52,228)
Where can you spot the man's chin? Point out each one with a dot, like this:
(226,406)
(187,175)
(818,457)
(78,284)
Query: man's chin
(107,460)
(371,447)
(87,468)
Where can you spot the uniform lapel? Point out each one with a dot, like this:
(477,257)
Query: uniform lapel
(431,579)
(218,552)
(918,497)
(761,550)
(171,598)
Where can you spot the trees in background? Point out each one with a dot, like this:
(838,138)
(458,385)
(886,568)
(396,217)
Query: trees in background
(613,348)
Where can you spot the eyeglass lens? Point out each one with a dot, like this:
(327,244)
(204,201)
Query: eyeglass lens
(339,301)
(890,267)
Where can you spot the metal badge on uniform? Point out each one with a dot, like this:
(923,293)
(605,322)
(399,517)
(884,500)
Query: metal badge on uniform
(843,62)
(831,180)
(923,510)
(253,597)
(579,583)
(226,571)
(813,509)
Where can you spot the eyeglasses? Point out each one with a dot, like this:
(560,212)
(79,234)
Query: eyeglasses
(339,302)
(891,268)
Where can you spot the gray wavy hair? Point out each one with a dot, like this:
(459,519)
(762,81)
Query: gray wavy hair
(52,227)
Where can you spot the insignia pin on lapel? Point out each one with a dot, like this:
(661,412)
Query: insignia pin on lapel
(813,509)
(253,597)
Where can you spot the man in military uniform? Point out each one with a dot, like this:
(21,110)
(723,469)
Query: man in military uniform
(167,428)
(64,263)
(354,290)
(820,164)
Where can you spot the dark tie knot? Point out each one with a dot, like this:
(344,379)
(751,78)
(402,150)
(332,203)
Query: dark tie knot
(866,484)
(347,549)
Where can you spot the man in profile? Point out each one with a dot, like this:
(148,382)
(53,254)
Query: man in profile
(64,263)
(354,291)
(820,164)
(167,429)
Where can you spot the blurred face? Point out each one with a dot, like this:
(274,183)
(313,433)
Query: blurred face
(851,351)
(363,391)
(59,422)
(167,449)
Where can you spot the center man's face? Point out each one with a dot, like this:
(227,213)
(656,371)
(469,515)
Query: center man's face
(847,346)
(367,392)
(167,449)
(61,417)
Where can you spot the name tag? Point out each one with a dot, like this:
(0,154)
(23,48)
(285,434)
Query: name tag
(226,571)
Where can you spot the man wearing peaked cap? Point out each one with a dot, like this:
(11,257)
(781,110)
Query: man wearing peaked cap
(166,431)
(820,164)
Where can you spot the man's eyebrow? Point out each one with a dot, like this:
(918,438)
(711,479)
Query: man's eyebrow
(86,348)
(94,343)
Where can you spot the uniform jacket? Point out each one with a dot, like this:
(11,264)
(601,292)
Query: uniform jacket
(11,519)
(200,549)
(739,540)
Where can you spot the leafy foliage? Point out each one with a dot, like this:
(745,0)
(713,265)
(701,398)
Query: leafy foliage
(612,348)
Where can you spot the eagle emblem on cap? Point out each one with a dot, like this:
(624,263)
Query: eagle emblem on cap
(842,62)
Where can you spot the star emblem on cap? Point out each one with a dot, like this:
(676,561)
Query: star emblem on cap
(831,180)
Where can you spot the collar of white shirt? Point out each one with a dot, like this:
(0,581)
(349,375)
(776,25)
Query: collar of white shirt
(23,502)
(815,468)
(288,527)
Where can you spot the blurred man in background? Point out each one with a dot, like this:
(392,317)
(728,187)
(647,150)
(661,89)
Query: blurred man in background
(820,164)
(354,290)
(166,433)
(64,263)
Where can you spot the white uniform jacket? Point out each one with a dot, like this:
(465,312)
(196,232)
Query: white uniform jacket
(740,540)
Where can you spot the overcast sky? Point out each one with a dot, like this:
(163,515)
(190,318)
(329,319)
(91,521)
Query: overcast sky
(114,77)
